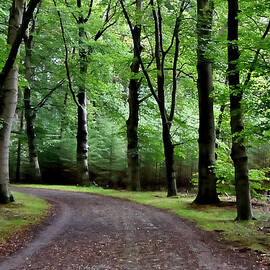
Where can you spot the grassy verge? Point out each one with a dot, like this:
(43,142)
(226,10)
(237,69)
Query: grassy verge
(211,218)
(25,211)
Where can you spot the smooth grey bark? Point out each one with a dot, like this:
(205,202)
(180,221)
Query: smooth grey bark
(238,153)
(207,193)
(30,113)
(8,101)
(133,100)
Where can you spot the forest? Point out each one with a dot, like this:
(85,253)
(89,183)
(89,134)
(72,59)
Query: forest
(138,95)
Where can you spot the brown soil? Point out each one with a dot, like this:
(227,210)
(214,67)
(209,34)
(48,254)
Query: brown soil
(93,232)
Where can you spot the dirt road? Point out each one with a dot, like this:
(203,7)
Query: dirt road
(93,232)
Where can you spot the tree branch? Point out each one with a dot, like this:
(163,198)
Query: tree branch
(20,34)
(100,32)
(175,60)
(150,85)
(89,11)
(160,29)
(45,98)
(255,59)
(66,57)
(177,23)
(145,98)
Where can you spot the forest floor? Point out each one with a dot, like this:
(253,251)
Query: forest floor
(92,232)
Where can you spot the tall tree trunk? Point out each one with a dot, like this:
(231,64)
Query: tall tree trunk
(207,193)
(218,128)
(30,114)
(82,138)
(80,101)
(169,159)
(160,55)
(8,103)
(82,130)
(19,150)
(133,100)
(238,154)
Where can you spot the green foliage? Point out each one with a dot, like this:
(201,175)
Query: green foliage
(109,59)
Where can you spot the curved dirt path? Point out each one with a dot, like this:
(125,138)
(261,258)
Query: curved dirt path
(93,232)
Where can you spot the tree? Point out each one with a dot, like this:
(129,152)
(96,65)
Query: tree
(158,88)
(30,112)
(9,89)
(84,51)
(82,131)
(133,100)
(238,151)
(238,154)
(207,193)
(80,100)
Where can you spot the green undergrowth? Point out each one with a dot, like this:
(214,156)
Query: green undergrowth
(250,234)
(25,211)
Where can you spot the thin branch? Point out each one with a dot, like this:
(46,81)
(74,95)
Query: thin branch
(189,75)
(178,144)
(176,25)
(127,17)
(255,59)
(107,12)
(74,16)
(106,24)
(89,11)
(45,98)
(34,19)
(256,23)
(150,45)
(150,85)
(100,32)
(66,56)
(145,98)
(157,36)
(160,29)
(108,17)
(148,65)
(175,61)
